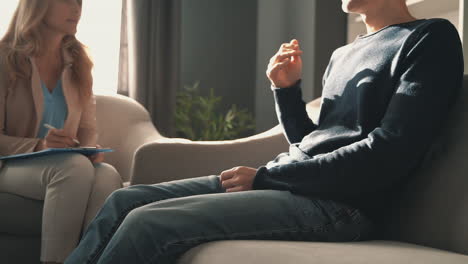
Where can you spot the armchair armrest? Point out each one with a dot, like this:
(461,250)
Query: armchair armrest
(173,159)
(168,159)
(124,125)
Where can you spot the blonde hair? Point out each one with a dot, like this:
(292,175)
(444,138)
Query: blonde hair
(23,40)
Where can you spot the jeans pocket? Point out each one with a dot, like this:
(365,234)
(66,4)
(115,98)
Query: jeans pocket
(310,212)
(365,226)
(354,221)
(336,221)
(349,223)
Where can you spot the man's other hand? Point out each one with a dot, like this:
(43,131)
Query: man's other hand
(238,179)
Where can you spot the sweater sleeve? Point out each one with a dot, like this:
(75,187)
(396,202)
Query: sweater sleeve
(428,77)
(292,114)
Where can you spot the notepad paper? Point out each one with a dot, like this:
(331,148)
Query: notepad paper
(87,151)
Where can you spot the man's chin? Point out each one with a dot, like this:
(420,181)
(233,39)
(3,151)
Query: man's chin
(351,7)
(346,8)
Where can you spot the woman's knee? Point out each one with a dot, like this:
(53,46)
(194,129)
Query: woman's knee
(74,167)
(107,176)
(74,161)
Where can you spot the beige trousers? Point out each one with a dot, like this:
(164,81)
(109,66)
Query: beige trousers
(73,191)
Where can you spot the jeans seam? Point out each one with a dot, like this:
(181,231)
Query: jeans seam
(105,241)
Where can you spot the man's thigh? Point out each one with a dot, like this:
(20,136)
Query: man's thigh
(172,189)
(257,214)
(159,232)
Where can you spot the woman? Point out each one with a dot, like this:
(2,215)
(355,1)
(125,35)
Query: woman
(45,78)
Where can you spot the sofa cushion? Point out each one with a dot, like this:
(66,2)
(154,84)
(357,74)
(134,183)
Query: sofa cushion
(433,210)
(280,252)
(20,216)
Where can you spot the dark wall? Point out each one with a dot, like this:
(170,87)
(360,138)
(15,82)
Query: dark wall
(219,48)
(226,44)
(279,21)
(320,27)
(331,28)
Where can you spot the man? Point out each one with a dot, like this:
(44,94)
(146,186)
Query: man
(385,97)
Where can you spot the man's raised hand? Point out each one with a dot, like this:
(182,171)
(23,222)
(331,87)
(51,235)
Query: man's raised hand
(285,67)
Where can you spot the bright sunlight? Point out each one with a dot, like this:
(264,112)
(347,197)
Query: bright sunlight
(99,30)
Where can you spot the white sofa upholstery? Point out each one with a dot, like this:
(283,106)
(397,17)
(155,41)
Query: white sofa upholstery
(277,252)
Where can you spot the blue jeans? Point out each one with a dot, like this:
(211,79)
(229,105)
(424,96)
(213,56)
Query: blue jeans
(158,223)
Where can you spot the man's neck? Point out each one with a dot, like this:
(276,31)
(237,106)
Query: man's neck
(385,17)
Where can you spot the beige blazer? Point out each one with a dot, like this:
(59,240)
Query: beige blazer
(21,109)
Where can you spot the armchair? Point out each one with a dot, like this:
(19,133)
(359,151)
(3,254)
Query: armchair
(123,125)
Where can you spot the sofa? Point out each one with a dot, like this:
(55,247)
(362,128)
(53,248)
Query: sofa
(427,224)
(124,126)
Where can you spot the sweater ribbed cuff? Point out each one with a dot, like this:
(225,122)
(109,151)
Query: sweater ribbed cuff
(263,179)
(294,86)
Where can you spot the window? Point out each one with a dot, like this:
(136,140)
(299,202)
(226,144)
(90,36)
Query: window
(6,13)
(99,29)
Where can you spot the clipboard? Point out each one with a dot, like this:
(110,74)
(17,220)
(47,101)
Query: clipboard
(87,151)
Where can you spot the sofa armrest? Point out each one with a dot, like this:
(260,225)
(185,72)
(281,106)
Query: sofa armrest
(173,159)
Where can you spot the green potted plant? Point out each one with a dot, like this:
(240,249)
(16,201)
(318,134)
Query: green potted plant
(199,117)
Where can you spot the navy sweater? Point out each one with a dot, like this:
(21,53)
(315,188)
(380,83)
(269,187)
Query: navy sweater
(385,98)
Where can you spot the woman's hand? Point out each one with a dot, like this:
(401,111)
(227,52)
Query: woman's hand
(285,68)
(58,138)
(40,145)
(238,179)
(97,158)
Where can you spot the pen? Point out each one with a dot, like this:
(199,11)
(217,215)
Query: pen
(52,127)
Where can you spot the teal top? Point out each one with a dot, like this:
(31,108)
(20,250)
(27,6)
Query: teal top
(55,109)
